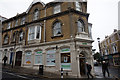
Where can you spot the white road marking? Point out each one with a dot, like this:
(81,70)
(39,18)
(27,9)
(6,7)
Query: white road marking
(16,75)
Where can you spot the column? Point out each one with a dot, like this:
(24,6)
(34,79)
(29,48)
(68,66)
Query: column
(74,63)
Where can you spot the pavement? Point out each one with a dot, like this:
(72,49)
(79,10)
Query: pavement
(114,74)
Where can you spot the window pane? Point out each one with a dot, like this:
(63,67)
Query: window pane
(38,32)
(80,26)
(51,57)
(57,29)
(28,58)
(57,9)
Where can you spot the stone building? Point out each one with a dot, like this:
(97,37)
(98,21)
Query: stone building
(56,35)
(110,48)
(1,19)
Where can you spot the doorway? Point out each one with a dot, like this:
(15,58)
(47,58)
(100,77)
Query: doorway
(82,61)
(18,58)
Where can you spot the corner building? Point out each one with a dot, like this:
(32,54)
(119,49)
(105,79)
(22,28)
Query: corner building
(56,35)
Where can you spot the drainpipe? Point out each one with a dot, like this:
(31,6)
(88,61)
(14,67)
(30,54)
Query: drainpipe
(45,26)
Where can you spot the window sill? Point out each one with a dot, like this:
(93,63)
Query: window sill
(57,36)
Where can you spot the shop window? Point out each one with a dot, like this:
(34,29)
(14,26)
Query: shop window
(50,58)
(34,33)
(57,29)
(78,6)
(28,57)
(81,26)
(56,9)
(116,61)
(38,57)
(65,59)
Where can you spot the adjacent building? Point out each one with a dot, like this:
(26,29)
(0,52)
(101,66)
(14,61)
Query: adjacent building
(1,19)
(110,48)
(56,35)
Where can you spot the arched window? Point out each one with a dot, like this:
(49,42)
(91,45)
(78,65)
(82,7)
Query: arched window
(36,14)
(57,29)
(21,36)
(6,39)
(81,26)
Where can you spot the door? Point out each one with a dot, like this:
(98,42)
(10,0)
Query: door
(82,66)
(18,58)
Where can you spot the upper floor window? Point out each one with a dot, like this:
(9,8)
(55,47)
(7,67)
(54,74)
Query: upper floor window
(56,9)
(6,39)
(90,30)
(8,26)
(114,48)
(13,38)
(16,23)
(57,29)
(23,20)
(81,26)
(36,14)
(34,33)
(21,36)
(78,6)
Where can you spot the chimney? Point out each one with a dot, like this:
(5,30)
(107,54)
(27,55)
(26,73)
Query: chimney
(106,36)
(115,30)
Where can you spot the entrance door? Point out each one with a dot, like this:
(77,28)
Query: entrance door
(18,58)
(82,66)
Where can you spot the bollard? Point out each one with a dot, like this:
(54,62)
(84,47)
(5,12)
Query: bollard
(41,69)
(61,72)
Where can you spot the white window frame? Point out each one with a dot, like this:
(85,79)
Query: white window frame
(35,32)
(78,6)
(57,9)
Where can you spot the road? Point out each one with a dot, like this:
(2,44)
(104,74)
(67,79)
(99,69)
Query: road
(7,75)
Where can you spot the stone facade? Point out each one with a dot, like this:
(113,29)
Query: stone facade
(65,46)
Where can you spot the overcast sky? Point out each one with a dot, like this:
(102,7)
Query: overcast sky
(103,15)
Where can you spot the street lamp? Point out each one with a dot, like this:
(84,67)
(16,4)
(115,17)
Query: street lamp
(99,47)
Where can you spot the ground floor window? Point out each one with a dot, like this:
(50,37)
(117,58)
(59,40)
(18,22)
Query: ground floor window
(116,61)
(28,57)
(38,57)
(50,58)
(65,59)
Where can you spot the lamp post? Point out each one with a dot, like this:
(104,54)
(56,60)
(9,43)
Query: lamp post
(99,47)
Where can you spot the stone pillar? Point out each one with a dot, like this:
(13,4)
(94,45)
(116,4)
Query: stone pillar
(57,60)
(23,59)
(44,58)
(74,63)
